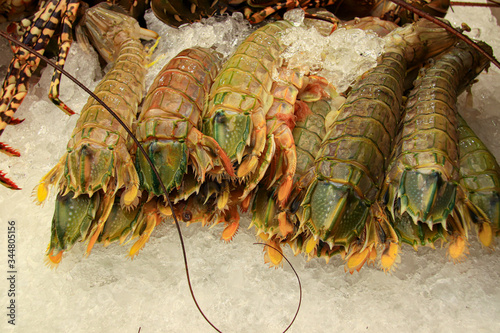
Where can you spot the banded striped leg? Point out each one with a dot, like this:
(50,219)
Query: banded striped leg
(7,182)
(15,86)
(12,97)
(264,13)
(261,15)
(23,65)
(64,42)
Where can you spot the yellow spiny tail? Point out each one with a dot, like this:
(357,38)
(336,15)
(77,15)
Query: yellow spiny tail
(390,257)
(153,218)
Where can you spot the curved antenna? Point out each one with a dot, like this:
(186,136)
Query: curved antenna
(448,28)
(490,3)
(78,83)
(298,280)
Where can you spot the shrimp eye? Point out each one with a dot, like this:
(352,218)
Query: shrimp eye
(382,235)
(220,117)
(295,205)
(187,216)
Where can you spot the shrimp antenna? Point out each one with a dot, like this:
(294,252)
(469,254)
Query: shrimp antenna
(490,3)
(298,280)
(448,28)
(78,83)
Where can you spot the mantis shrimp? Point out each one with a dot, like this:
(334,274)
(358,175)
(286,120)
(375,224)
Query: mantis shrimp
(423,174)
(97,157)
(170,116)
(350,165)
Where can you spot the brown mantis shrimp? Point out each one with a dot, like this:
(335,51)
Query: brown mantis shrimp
(423,174)
(350,165)
(97,156)
(480,178)
(170,116)
(239,113)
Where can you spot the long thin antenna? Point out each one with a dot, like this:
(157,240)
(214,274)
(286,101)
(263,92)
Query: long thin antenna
(448,28)
(78,83)
(490,3)
(298,280)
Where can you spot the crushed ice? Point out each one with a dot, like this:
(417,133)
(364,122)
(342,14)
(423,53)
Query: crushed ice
(340,57)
